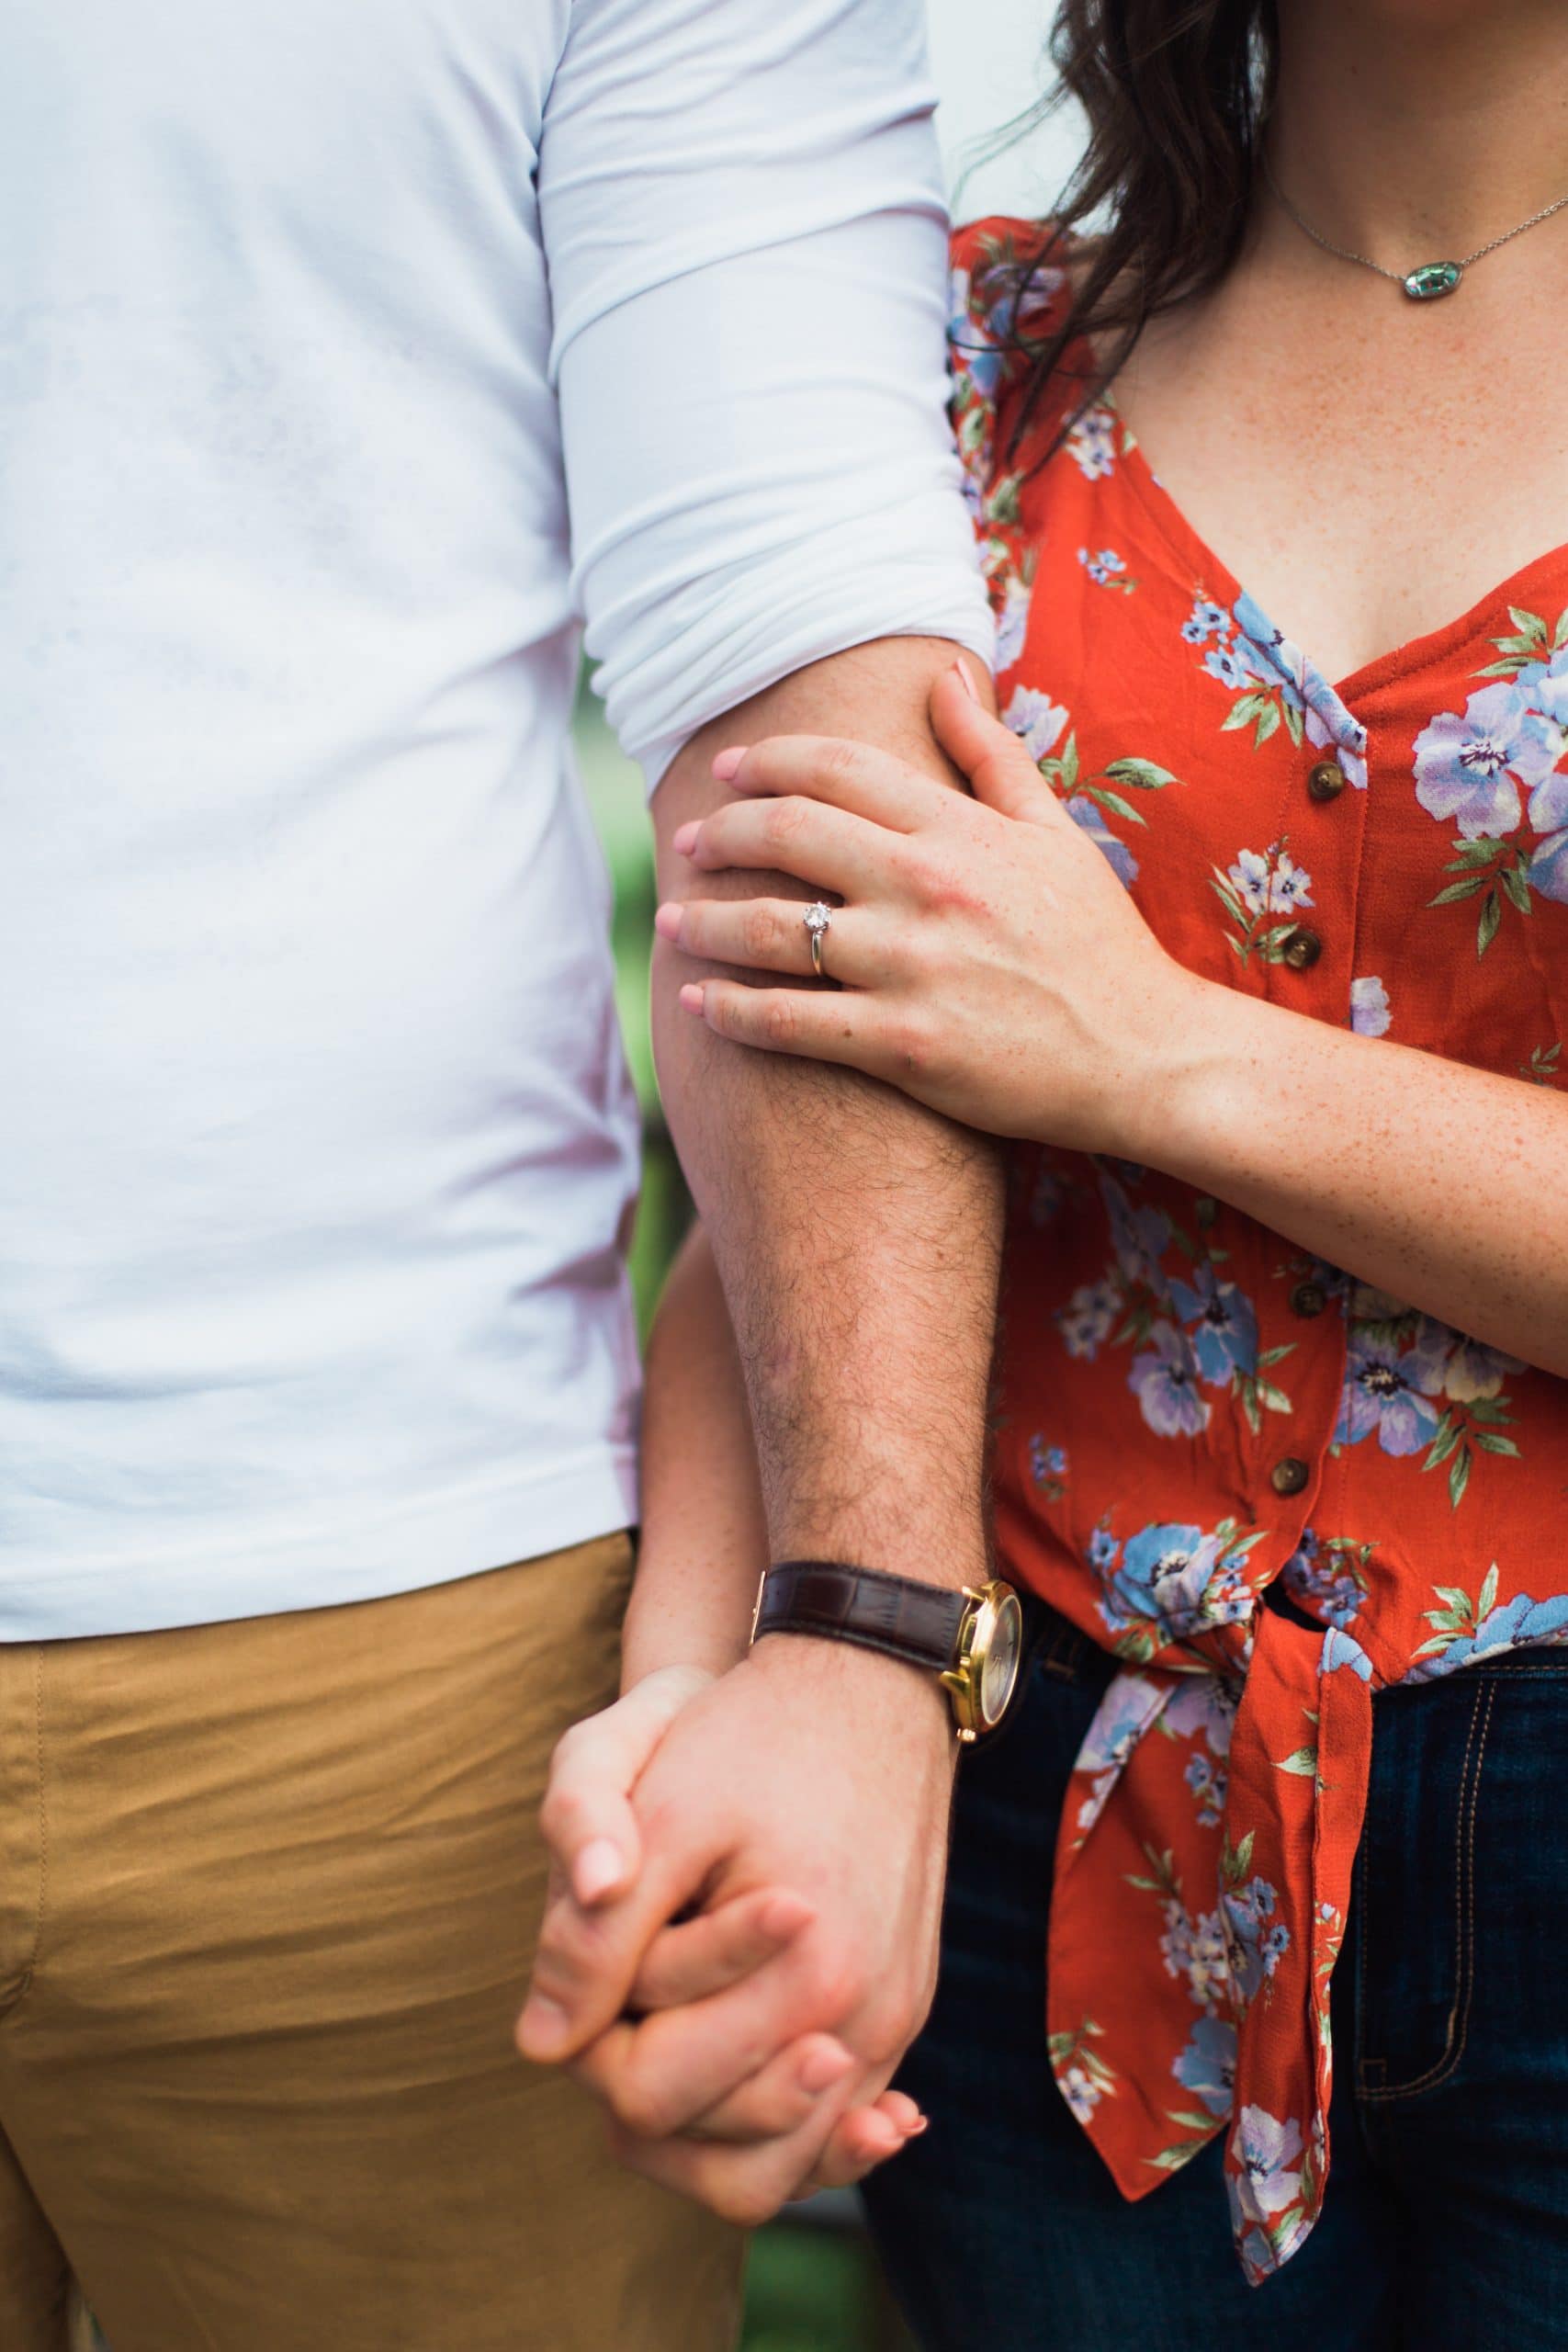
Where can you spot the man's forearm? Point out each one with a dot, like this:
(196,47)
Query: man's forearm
(857,1235)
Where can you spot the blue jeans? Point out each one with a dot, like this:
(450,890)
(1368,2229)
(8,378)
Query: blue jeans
(1446,2223)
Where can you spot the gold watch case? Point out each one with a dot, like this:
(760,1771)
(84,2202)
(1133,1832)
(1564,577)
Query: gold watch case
(983,1676)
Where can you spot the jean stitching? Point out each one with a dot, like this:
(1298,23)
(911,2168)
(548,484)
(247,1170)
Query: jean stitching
(1360,1897)
(1556,1671)
(1464,1910)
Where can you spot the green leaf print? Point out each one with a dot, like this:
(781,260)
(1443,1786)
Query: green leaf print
(1494,867)
(1463,1431)
(1140,776)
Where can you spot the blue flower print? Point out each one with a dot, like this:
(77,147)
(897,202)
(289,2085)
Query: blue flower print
(1518,1625)
(981,362)
(1549,868)
(1470,1368)
(1323,1575)
(1164,1378)
(1548,810)
(1177,1579)
(1139,1238)
(1087,1320)
(1207,2065)
(1204,621)
(1256,1941)
(1131,1703)
(1469,767)
(1205,1705)
(1370,1016)
(1230,665)
(1270,881)
(1036,718)
(1341,1650)
(1118,856)
(1092,443)
(1209,1782)
(1388,1391)
(1265,2149)
(1048,1466)
(1222,1324)
(1309,704)
(1103,1548)
(1194,1950)
(1105,568)
(1012,624)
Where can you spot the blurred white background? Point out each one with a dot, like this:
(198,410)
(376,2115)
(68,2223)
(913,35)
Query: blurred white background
(990,60)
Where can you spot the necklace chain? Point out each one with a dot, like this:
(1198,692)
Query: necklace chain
(1396,276)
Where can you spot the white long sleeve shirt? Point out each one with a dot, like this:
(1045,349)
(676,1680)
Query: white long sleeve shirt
(315,1141)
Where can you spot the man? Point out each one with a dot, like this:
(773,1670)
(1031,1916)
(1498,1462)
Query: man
(318,1148)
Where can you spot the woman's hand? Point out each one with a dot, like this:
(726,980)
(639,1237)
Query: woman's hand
(987,958)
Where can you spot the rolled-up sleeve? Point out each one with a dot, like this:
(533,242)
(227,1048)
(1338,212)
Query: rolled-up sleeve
(742,212)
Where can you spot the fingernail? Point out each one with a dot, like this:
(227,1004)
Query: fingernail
(726,766)
(964,680)
(667,921)
(691,999)
(542,2027)
(823,2066)
(684,836)
(913,2130)
(597,1869)
(784,1917)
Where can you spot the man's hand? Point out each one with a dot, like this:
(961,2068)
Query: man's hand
(819,1770)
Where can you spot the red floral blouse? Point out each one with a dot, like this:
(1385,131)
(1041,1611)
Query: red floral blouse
(1193,1406)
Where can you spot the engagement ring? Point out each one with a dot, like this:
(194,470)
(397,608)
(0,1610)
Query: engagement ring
(817,918)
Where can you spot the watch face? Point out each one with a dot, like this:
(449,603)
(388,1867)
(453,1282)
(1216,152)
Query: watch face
(1003,1650)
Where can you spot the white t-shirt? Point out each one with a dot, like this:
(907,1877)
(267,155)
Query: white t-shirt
(316,1147)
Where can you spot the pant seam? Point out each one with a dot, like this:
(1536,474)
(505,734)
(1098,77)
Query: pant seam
(24,1981)
(1464,1911)
(42,1815)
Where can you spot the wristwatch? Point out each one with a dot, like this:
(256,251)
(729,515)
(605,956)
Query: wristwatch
(973,1640)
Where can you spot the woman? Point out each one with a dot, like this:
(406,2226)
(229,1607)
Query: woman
(1269,975)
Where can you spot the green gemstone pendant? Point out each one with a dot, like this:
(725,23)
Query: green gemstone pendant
(1432,281)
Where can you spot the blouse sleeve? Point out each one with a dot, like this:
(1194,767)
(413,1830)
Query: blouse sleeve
(743,217)
(1003,294)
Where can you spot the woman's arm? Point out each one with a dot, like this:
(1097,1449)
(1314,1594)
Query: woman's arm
(998,969)
(704,1542)
(1443,1185)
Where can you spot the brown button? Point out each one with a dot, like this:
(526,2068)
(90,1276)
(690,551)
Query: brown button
(1326,780)
(1308,1298)
(1290,1476)
(1301,948)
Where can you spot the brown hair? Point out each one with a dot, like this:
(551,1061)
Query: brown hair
(1175,93)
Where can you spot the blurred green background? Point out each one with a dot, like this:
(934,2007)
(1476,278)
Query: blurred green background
(813,2285)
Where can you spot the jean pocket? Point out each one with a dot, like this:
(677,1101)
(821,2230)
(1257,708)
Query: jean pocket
(1415,1886)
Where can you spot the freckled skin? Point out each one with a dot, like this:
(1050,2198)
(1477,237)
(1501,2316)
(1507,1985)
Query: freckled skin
(1370,467)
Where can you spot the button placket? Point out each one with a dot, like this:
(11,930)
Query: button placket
(1315,970)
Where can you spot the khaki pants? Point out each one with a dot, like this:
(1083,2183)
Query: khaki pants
(268,1893)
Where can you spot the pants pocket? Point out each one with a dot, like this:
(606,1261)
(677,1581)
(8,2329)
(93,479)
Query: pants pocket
(1415,1886)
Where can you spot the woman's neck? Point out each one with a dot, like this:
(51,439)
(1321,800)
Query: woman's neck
(1414,129)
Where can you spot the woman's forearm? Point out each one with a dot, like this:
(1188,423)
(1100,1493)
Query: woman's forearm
(704,1536)
(1444,1185)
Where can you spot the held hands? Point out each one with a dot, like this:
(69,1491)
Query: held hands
(741,1939)
(989,961)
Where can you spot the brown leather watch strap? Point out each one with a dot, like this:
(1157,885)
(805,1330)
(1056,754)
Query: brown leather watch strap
(917,1622)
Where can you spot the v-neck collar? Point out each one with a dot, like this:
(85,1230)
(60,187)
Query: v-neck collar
(1333,702)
